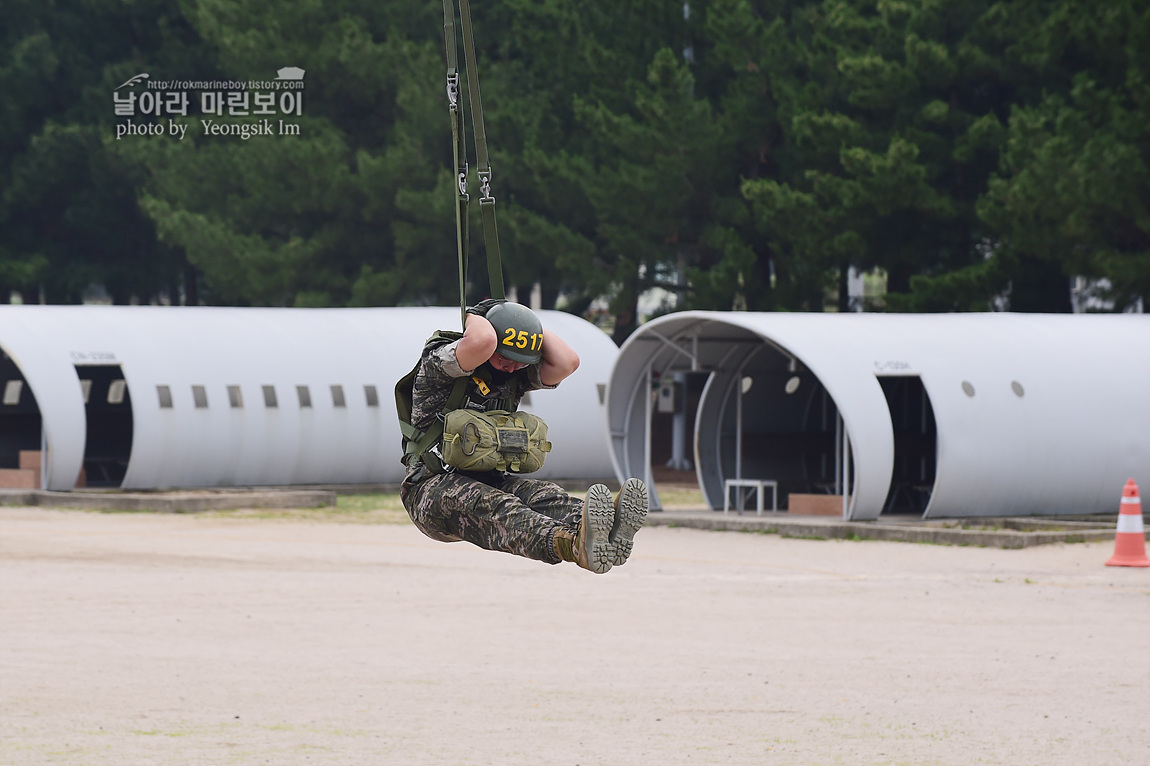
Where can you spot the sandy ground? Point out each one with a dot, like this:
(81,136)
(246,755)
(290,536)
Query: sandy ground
(158,639)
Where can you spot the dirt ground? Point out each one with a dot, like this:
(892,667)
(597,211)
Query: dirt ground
(170,639)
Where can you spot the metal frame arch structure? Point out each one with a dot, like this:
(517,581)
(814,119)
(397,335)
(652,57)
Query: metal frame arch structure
(1028,414)
(214,365)
(723,345)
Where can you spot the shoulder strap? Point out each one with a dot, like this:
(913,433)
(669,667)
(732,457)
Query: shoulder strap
(487,201)
(483,167)
(419,442)
(458,153)
(404,386)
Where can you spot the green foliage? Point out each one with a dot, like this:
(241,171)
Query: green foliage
(742,155)
(68,211)
(887,146)
(1073,186)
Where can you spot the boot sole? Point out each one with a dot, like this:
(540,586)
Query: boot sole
(630,513)
(599,516)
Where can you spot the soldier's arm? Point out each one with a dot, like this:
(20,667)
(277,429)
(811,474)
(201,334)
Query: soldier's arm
(477,344)
(559,359)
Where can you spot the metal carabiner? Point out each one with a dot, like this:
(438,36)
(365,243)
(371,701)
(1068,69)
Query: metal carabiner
(478,439)
(453,92)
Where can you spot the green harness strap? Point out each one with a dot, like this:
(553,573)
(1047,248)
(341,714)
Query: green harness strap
(459,155)
(483,166)
(419,444)
(483,169)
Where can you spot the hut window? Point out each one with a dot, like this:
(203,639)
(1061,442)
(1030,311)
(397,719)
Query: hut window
(372,396)
(337,399)
(165,394)
(200,396)
(12,391)
(304,396)
(235,397)
(270,397)
(86,388)
(116,391)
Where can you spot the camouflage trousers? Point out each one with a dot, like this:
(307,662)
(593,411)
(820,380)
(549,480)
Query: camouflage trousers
(496,511)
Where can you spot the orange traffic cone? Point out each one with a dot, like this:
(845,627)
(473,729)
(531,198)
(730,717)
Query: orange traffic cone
(1129,542)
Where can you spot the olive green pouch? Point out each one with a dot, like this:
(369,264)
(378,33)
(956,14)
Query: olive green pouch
(494,441)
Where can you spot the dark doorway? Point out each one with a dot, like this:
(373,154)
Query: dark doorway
(792,432)
(676,398)
(915,445)
(108,412)
(20,426)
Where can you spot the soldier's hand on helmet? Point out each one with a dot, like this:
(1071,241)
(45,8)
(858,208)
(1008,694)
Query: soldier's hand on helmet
(481,308)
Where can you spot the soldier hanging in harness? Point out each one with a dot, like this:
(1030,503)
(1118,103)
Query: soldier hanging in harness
(466,440)
(466,443)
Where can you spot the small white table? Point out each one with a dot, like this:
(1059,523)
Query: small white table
(758,485)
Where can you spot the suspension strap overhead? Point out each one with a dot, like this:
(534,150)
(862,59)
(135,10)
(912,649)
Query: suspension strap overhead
(459,154)
(483,168)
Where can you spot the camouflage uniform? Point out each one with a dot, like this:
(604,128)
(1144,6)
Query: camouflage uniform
(494,510)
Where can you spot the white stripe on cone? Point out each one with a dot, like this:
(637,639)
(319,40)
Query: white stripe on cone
(1129,522)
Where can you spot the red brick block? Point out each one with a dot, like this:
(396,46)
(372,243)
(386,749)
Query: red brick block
(19,478)
(30,458)
(815,505)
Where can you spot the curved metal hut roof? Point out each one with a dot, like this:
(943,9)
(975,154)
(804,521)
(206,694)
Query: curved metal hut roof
(1033,414)
(331,372)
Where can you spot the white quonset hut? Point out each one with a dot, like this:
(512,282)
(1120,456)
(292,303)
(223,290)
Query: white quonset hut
(949,415)
(155,397)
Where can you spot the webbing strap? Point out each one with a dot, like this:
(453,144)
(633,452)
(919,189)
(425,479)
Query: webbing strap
(420,443)
(459,154)
(482,165)
(483,169)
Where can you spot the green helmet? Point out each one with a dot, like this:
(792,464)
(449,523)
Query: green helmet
(519,332)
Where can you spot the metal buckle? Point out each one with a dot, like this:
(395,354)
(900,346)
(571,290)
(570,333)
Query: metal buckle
(434,450)
(485,187)
(453,92)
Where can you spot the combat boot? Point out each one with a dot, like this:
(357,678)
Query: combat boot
(590,545)
(630,513)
